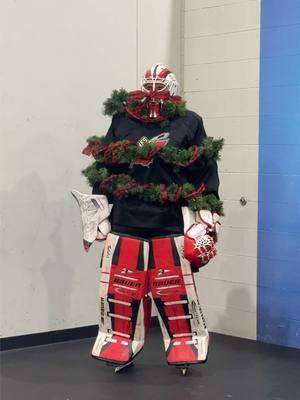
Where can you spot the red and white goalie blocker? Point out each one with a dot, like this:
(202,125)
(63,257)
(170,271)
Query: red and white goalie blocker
(131,267)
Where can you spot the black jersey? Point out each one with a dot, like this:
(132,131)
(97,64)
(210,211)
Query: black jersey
(132,215)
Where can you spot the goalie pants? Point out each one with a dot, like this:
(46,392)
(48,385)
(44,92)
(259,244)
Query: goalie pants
(131,267)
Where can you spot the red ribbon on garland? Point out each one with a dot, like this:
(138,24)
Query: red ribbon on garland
(145,98)
(178,193)
(111,178)
(116,155)
(93,148)
(196,193)
(120,192)
(159,144)
(192,159)
(114,151)
(136,95)
(164,193)
(131,183)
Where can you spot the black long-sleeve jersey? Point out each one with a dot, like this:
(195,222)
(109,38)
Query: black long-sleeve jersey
(131,215)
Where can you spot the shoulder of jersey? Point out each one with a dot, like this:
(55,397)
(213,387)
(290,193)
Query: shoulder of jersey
(193,119)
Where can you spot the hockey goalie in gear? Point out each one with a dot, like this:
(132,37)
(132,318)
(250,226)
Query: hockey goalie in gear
(157,86)
(201,237)
(145,250)
(173,289)
(95,211)
(125,308)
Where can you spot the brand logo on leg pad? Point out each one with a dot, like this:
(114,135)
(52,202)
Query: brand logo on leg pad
(102,310)
(108,251)
(126,282)
(167,282)
(126,271)
(163,271)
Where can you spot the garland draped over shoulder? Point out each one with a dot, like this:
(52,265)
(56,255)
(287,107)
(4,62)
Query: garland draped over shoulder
(128,152)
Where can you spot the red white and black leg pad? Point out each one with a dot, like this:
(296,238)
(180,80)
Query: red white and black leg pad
(185,334)
(125,308)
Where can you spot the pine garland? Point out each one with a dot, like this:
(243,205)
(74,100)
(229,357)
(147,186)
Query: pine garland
(170,109)
(128,152)
(212,147)
(121,152)
(208,202)
(125,151)
(119,99)
(181,157)
(94,175)
(115,103)
(123,185)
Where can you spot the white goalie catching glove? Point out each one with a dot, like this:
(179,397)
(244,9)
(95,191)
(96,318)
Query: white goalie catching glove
(95,210)
(200,236)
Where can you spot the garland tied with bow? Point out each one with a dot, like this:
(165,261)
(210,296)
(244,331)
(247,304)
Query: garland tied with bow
(136,104)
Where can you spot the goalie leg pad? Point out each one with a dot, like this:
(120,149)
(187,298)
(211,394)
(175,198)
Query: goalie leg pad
(173,289)
(124,305)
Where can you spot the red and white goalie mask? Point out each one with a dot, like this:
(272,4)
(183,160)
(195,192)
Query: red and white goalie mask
(158,85)
(159,78)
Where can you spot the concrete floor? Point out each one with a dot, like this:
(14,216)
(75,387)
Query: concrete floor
(236,369)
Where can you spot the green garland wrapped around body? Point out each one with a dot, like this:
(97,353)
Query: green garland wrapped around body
(130,153)
(123,185)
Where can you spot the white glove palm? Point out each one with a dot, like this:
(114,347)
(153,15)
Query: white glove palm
(210,221)
(95,210)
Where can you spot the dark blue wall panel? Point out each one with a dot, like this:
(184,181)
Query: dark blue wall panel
(278,269)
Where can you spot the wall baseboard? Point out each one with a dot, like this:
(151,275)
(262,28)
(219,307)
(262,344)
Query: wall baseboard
(38,339)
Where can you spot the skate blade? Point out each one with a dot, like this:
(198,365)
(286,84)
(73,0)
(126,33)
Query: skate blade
(183,368)
(188,363)
(120,368)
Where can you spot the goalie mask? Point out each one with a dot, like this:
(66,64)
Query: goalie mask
(159,85)
(159,78)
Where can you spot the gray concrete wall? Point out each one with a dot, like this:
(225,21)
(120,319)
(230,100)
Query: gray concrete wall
(60,61)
